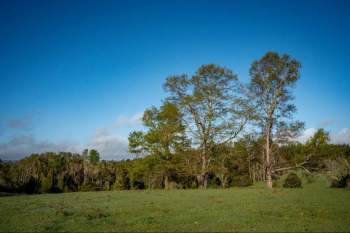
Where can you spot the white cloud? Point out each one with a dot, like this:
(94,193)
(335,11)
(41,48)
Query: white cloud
(109,143)
(124,120)
(110,146)
(306,135)
(339,137)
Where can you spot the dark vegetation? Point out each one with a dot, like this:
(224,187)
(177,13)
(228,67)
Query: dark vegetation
(292,181)
(211,131)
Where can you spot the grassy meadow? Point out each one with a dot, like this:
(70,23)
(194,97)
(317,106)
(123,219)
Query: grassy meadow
(315,207)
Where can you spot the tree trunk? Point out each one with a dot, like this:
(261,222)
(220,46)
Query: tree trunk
(199,181)
(85,169)
(222,180)
(166,182)
(268,161)
(205,180)
(203,177)
(202,180)
(263,166)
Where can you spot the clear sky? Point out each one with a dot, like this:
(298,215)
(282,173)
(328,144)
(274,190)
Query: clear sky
(77,74)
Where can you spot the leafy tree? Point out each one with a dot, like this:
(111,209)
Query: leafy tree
(272,79)
(136,142)
(321,137)
(317,149)
(212,106)
(165,136)
(94,157)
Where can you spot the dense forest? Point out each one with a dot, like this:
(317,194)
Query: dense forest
(211,131)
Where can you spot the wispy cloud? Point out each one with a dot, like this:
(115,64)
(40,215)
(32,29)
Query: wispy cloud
(111,146)
(24,123)
(326,123)
(125,120)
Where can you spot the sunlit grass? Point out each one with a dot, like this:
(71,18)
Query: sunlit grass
(315,207)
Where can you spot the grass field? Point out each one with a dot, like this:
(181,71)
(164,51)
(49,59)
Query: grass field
(312,208)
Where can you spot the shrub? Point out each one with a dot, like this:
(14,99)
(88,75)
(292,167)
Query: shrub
(242,181)
(342,182)
(89,187)
(309,177)
(292,181)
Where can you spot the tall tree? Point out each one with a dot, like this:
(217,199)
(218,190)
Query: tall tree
(85,156)
(272,79)
(211,104)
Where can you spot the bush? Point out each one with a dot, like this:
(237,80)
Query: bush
(308,177)
(342,182)
(292,181)
(242,181)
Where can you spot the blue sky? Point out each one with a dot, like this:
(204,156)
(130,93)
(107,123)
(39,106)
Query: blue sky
(79,73)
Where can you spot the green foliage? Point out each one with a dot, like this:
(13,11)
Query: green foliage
(242,180)
(45,184)
(309,177)
(165,135)
(94,157)
(136,142)
(292,181)
(321,137)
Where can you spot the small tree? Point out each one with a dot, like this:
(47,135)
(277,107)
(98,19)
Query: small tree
(321,137)
(94,157)
(165,136)
(316,149)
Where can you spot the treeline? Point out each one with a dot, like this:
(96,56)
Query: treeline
(210,130)
(239,165)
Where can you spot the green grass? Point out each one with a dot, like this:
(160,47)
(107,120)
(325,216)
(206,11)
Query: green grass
(312,208)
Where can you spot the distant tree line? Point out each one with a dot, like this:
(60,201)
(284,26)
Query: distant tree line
(239,165)
(211,131)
